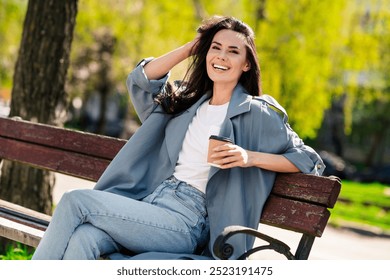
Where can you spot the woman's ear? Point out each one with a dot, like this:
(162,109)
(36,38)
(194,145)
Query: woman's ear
(247,66)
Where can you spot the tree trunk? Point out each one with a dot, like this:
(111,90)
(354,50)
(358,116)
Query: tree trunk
(38,92)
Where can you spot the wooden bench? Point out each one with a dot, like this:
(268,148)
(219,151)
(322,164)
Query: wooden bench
(298,202)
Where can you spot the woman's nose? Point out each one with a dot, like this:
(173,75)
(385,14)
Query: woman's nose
(222,55)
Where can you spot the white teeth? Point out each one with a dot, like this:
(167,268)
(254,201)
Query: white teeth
(220,67)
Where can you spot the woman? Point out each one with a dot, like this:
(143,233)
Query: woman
(159,194)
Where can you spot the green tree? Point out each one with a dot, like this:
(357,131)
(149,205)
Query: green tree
(367,80)
(296,41)
(140,28)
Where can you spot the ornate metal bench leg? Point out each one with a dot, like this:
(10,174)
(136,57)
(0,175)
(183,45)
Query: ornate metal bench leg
(224,250)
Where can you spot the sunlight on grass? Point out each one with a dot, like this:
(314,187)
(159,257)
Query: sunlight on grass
(363,203)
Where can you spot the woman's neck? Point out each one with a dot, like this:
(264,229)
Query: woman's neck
(221,94)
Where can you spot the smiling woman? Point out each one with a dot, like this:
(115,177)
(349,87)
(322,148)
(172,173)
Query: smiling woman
(226,61)
(160,193)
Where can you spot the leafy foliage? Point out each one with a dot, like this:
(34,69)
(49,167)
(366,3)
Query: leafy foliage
(297,40)
(11,20)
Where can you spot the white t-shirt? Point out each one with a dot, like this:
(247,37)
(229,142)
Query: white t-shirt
(192,164)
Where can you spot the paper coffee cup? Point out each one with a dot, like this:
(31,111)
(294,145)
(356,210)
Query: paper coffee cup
(215,141)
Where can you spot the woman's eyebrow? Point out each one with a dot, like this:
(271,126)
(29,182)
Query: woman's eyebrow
(230,47)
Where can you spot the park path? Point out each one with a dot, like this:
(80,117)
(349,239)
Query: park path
(335,244)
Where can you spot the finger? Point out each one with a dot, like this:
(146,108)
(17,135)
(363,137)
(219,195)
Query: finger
(224,147)
(228,165)
(221,153)
(228,161)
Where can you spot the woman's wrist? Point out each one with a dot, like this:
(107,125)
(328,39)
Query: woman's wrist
(191,46)
(254,159)
(188,48)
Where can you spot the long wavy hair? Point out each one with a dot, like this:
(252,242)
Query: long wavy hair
(198,80)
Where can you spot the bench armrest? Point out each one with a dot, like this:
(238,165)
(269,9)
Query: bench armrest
(224,250)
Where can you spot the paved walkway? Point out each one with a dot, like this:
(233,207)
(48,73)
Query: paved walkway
(335,244)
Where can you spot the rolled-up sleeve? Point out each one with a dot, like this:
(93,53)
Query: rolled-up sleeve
(287,141)
(305,158)
(143,91)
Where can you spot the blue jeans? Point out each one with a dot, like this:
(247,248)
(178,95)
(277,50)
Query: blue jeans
(88,224)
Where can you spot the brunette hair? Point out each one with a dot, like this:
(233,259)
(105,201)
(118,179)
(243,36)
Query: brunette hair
(198,80)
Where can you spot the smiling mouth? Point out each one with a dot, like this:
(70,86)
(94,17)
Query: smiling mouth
(220,67)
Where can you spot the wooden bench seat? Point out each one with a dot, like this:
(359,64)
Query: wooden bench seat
(298,202)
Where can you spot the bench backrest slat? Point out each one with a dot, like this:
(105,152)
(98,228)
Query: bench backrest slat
(71,163)
(60,138)
(294,215)
(310,188)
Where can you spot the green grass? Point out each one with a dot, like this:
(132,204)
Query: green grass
(363,204)
(17,252)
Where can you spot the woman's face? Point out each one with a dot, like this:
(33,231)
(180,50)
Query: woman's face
(227,57)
